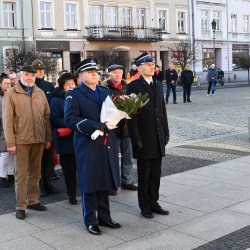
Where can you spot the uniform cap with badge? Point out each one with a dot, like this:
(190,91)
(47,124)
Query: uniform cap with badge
(143,58)
(38,64)
(87,64)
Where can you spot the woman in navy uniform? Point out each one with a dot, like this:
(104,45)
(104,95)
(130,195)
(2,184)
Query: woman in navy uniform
(149,134)
(97,160)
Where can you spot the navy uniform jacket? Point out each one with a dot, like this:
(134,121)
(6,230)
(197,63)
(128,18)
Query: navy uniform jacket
(150,125)
(97,163)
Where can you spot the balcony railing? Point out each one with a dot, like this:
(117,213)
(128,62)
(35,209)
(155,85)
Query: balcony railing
(105,33)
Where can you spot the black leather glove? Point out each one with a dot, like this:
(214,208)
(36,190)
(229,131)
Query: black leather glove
(121,123)
(101,126)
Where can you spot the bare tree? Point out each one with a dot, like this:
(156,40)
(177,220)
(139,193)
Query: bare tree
(182,54)
(21,53)
(109,55)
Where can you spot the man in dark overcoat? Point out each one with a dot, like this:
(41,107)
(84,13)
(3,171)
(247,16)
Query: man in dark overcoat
(187,78)
(97,160)
(149,135)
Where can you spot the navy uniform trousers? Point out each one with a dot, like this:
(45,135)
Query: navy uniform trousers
(92,202)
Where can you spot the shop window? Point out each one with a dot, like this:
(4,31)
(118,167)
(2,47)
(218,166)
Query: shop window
(207,58)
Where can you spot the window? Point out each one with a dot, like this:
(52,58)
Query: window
(97,15)
(140,15)
(217,18)
(127,17)
(70,16)
(181,21)
(204,20)
(46,15)
(245,23)
(233,22)
(112,16)
(9,15)
(162,24)
(207,58)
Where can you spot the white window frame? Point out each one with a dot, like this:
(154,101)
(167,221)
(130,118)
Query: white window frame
(217,19)
(52,14)
(77,26)
(232,27)
(166,19)
(127,17)
(4,48)
(112,16)
(139,15)
(246,22)
(14,12)
(101,15)
(185,22)
(205,20)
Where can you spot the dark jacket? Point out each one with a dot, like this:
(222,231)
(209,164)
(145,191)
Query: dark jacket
(97,162)
(171,75)
(47,88)
(159,76)
(121,131)
(64,145)
(150,125)
(187,77)
(220,73)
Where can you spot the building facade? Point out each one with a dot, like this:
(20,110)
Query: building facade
(224,43)
(16,26)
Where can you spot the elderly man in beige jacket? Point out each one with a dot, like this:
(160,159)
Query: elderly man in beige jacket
(26,122)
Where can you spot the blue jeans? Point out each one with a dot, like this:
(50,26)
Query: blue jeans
(169,87)
(125,148)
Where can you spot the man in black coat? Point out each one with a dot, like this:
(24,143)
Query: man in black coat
(47,165)
(149,135)
(187,78)
(171,77)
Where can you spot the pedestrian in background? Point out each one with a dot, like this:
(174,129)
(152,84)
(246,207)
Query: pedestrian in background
(6,158)
(26,122)
(13,78)
(133,74)
(64,135)
(187,78)
(171,77)
(118,87)
(97,160)
(149,135)
(221,78)
(158,75)
(212,77)
(47,167)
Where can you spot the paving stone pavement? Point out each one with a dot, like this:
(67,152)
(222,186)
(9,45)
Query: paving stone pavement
(207,132)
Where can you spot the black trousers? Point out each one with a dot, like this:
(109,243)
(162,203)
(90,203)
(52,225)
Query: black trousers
(149,174)
(95,202)
(47,164)
(186,92)
(68,163)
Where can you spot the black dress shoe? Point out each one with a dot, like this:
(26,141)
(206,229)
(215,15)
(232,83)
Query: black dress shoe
(113,192)
(147,214)
(189,101)
(94,229)
(37,207)
(130,186)
(72,200)
(159,210)
(110,224)
(20,214)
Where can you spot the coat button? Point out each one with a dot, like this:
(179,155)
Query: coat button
(108,147)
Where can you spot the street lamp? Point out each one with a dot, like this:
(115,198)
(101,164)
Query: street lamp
(213,23)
